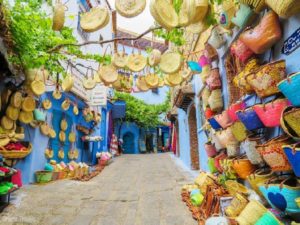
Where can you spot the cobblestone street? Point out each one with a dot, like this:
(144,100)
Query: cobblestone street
(133,190)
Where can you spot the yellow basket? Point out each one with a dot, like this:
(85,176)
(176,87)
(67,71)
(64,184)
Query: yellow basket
(286,8)
(234,188)
(14,154)
(251,213)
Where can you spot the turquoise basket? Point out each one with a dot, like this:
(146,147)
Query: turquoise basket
(268,219)
(194,66)
(281,197)
(290,88)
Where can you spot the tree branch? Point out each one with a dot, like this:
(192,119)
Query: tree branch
(56,48)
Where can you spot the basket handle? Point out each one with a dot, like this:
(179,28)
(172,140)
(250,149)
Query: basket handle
(285,180)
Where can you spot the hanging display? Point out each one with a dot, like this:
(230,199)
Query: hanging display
(130,8)
(95,19)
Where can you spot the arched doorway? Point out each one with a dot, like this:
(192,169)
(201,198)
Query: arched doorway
(128,143)
(193,138)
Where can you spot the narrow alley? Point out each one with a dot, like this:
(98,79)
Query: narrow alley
(134,190)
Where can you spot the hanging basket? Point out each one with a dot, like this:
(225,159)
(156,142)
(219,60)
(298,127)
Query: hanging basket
(130,8)
(234,108)
(58,16)
(223,119)
(290,122)
(95,19)
(249,147)
(284,9)
(259,177)
(170,62)
(251,213)
(15,154)
(250,119)
(290,88)
(293,154)
(243,167)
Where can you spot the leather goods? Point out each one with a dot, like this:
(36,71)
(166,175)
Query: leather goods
(264,35)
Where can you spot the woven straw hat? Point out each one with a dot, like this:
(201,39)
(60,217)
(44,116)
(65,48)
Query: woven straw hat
(89,83)
(12,113)
(61,154)
(120,59)
(170,62)
(136,62)
(65,105)
(141,84)
(174,79)
(198,10)
(58,16)
(26,117)
(108,74)
(7,123)
(63,124)
(152,80)
(62,136)
(36,74)
(16,99)
(118,83)
(94,20)
(154,57)
(164,13)
(28,104)
(47,104)
(38,87)
(130,8)
(67,83)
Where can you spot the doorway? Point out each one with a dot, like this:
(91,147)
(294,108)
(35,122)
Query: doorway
(193,138)
(128,143)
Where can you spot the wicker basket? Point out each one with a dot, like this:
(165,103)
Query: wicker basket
(14,154)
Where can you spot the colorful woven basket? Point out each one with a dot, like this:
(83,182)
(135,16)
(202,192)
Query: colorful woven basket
(268,219)
(259,177)
(292,152)
(290,88)
(250,119)
(251,213)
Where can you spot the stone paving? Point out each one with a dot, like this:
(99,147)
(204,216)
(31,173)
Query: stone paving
(133,190)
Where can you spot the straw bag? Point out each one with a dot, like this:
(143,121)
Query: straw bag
(243,167)
(38,87)
(61,154)
(12,113)
(26,117)
(170,62)
(234,188)
(152,80)
(265,80)
(249,147)
(75,109)
(47,104)
(89,82)
(268,219)
(218,159)
(273,153)
(198,10)
(49,153)
(16,99)
(203,180)
(56,94)
(130,8)
(250,119)
(259,177)
(205,96)
(242,16)
(72,135)
(270,113)
(28,104)
(214,80)
(154,57)
(293,154)
(95,19)
(238,203)
(239,131)
(210,149)
(281,192)
(65,105)
(120,59)
(251,213)
(108,74)
(292,117)
(216,38)
(257,5)
(215,100)
(240,50)
(141,84)
(68,81)
(264,35)
(214,124)
(63,125)
(52,133)
(44,128)
(206,70)
(290,88)
(240,80)
(216,141)
(164,13)
(136,62)
(62,136)
(228,171)
(58,16)
(223,119)
(284,9)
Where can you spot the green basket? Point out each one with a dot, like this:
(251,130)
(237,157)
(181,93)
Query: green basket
(268,219)
(43,176)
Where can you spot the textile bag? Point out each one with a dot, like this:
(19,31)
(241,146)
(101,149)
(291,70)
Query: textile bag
(270,113)
(249,147)
(259,177)
(214,80)
(281,192)
(264,35)
(290,88)
(265,80)
(273,154)
(223,119)
(250,119)
(215,100)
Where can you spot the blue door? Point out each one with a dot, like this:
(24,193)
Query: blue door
(128,143)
